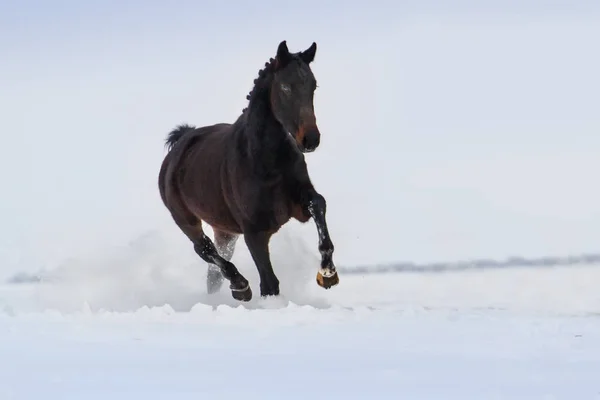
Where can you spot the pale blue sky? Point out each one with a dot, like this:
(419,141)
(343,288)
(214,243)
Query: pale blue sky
(450,129)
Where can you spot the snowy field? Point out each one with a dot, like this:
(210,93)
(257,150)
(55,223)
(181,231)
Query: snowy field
(451,130)
(125,328)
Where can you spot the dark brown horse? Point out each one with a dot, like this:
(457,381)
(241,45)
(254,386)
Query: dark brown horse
(249,178)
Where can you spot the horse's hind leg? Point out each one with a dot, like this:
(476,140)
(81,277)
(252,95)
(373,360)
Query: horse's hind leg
(205,248)
(225,244)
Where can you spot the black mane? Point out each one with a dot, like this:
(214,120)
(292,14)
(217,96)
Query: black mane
(258,82)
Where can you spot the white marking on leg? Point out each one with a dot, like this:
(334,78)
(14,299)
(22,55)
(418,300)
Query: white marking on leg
(240,290)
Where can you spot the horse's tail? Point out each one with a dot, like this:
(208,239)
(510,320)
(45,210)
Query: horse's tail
(176,134)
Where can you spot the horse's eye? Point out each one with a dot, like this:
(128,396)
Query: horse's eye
(286,88)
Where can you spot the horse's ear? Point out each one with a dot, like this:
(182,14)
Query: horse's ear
(308,55)
(283,55)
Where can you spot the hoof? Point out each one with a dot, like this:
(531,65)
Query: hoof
(269,291)
(327,279)
(269,295)
(242,294)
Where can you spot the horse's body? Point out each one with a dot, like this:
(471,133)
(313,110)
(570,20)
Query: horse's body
(249,178)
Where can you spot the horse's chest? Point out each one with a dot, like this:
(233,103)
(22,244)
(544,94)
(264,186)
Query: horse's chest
(281,208)
(277,203)
(272,209)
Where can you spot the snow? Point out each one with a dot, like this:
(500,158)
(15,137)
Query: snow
(298,352)
(473,135)
(524,333)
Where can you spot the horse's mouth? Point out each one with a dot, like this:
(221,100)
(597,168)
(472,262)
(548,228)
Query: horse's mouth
(303,149)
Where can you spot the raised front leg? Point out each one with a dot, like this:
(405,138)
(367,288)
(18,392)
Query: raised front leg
(316,207)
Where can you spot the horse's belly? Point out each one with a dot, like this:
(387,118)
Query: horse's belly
(217,215)
(206,201)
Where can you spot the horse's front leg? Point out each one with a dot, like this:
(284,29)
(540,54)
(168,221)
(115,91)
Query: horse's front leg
(316,206)
(258,245)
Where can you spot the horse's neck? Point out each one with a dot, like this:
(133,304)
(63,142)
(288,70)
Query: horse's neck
(265,136)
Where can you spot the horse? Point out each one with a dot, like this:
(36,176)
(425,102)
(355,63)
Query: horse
(249,178)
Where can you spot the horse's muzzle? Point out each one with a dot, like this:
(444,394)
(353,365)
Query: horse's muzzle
(310,140)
